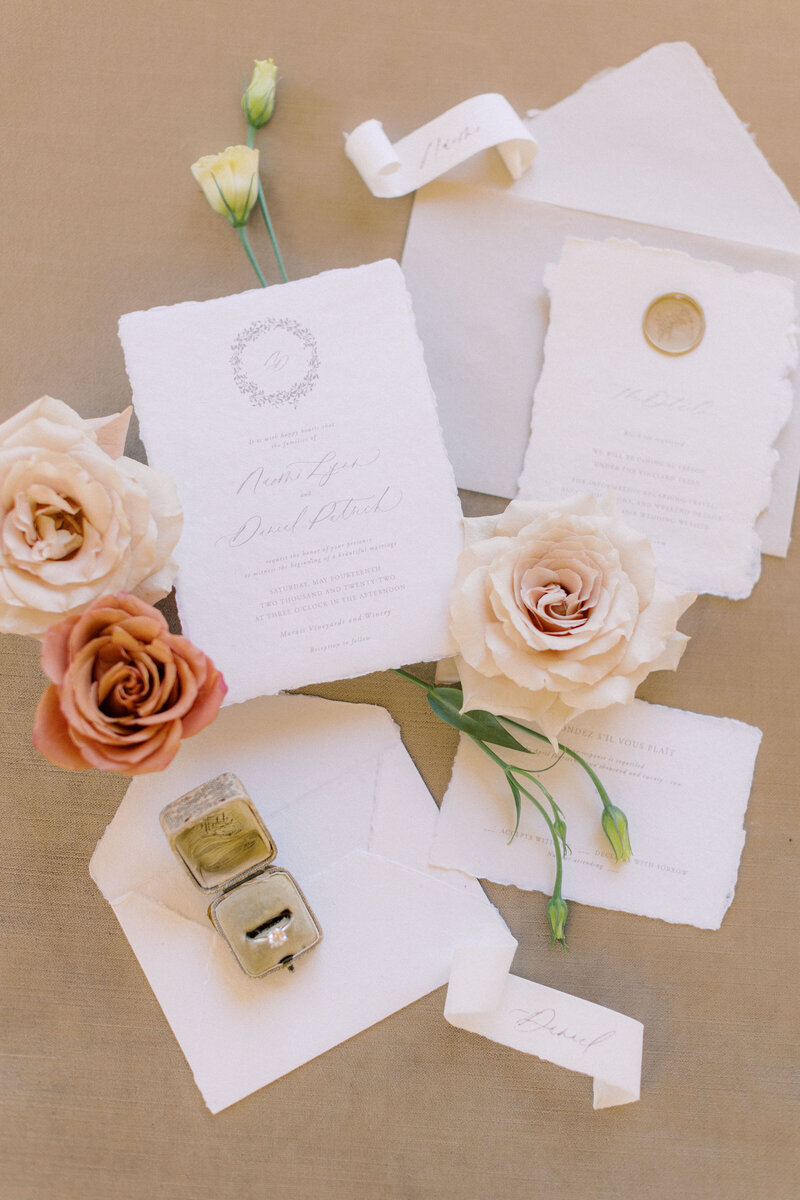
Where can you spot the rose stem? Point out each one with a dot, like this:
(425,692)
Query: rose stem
(564,750)
(262,204)
(419,682)
(507,771)
(513,784)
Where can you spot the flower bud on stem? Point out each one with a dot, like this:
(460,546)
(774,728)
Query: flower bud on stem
(482,728)
(613,820)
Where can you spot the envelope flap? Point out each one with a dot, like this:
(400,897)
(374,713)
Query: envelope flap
(288,751)
(655,141)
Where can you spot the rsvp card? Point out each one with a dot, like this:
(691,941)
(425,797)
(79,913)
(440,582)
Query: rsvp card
(682,779)
(667,379)
(322,522)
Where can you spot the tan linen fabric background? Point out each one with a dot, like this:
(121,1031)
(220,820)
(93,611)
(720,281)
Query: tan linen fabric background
(104,107)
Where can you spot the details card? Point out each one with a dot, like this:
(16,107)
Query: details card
(682,779)
(322,521)
(667,379)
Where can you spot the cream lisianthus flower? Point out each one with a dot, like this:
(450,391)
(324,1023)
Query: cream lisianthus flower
(230,182)
(258,101)
(557,610)
(77,519)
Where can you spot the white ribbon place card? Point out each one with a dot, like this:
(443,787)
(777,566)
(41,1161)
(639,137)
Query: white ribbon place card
(321,518)
(352,821)
(438,146)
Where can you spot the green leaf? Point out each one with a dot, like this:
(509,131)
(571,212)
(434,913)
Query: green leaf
(517,805)
(494,732)
(446,703)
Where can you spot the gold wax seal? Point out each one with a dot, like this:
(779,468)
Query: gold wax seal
(674,324)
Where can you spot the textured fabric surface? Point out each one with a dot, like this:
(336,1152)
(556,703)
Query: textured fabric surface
(104,107)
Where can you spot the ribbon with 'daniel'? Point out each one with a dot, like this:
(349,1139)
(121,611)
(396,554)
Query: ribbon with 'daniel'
(482,997)
(474,125)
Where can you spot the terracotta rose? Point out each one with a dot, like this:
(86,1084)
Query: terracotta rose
(125,690)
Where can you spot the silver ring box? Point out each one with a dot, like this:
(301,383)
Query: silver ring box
(218,835)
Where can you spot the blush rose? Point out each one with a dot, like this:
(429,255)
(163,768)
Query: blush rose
(125,691)
(557,610)
(77,519)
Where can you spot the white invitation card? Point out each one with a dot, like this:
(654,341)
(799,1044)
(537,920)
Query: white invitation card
(667,379)
(682,779)
(322,521)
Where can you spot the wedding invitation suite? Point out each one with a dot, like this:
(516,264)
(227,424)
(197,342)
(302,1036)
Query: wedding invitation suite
(683,781)
(352,821)
(609,165)
(668,380)
(322,522)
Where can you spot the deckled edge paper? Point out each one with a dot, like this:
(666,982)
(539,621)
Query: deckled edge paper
(482,997)
(727,562)
(685,859)
(225,596)
(436,147)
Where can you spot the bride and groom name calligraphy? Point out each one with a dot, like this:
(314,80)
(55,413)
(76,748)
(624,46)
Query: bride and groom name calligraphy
(312,475)
(320,471)
(308,518)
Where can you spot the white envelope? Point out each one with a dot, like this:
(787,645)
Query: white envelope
(353,823)
(651,151)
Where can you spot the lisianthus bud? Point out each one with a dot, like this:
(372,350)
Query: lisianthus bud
(615,827)
(230,182)
(557,918)
(258,101)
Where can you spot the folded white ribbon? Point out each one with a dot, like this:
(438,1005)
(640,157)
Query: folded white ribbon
(482,997)
(476,124)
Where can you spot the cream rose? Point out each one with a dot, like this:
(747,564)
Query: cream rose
(77,519)
(556,610)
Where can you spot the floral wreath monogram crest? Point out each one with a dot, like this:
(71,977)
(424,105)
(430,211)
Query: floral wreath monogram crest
(277,360)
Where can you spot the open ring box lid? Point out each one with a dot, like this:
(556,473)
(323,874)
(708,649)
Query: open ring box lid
(221,840)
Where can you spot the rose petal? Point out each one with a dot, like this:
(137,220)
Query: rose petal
(112,431)
(51,735)
(207,705)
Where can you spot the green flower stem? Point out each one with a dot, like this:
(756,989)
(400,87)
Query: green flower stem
(508,771)
(556,907)
(558,815)
(601,791)
(551,827)
(243,238)
(413,679)
(262,204)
